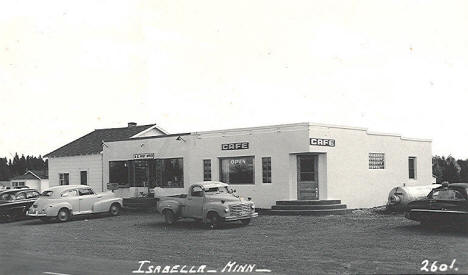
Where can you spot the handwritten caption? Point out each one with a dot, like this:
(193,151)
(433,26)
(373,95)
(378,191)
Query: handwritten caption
(435,266)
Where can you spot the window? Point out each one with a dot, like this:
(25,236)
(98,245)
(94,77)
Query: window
(266,169)
(69,193)
(64,179)
(86,191)
(412,167)
(206,169)
(17,183)
(84,177)
(376,161)
(118,173)
(32,194)
(170,173)
(197,191)
(238,170)
(447,194)
(20,196)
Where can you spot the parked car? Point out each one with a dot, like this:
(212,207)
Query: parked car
(448,203)
(210,202)
(63,202)
(15,202)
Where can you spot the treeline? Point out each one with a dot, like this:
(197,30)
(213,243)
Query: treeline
(10,168)
(450,169)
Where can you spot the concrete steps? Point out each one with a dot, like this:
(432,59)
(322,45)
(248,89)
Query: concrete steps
(307,208)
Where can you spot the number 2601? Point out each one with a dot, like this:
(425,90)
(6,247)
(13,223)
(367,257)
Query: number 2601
(436,267)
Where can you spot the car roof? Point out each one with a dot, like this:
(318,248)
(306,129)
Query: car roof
(60,188)
(17,190)
(211,184)
(459,184)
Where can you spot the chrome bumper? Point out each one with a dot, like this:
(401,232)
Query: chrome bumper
(35,214)
(238,218)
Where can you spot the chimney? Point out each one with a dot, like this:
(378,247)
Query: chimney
(132,124)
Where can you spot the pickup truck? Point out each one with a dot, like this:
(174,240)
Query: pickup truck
(211,202)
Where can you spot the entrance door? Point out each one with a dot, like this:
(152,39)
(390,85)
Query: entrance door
(307,177)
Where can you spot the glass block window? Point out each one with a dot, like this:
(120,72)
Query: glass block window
(266,169)
(207,169)
(376,161)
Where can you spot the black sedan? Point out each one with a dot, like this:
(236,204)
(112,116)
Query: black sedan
(14,203)
(448,203)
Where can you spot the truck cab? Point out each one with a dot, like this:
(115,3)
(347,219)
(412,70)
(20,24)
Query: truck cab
(210,202)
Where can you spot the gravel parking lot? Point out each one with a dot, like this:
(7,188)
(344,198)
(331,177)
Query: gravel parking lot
(361,242)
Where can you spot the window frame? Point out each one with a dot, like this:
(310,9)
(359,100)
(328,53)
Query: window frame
(237,157)
(414,169)
(373,161)
(66,178)
(266,174)
(207,171)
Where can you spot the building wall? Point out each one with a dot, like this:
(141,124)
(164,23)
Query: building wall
(349,177)
(343,169)
(73,165)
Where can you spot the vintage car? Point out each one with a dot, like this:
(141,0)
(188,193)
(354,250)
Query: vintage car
(15,202)
(448,203)
(63,202)
(210,202)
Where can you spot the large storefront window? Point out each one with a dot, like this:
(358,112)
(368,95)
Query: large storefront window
(118,173)
(170,173)
(166,173)
(238,170)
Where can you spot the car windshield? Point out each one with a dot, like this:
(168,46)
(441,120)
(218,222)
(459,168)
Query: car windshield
(218,190)
(47,193)
(7,197)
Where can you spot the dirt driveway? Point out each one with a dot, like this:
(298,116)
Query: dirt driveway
(353,243)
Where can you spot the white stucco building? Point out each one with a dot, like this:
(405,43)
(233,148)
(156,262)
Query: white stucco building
(301,161)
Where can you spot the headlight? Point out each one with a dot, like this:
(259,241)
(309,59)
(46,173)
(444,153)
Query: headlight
(226,210)
(252,206)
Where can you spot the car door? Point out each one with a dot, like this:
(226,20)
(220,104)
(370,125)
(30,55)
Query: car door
(71,196)
(195,202)
(87,200)
(448,200)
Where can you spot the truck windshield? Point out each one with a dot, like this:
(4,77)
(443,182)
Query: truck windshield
(217,190)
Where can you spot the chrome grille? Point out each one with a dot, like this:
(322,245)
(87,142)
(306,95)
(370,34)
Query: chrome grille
(239,209)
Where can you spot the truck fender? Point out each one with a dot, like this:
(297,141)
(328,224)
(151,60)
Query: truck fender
(212,209)
(169,205)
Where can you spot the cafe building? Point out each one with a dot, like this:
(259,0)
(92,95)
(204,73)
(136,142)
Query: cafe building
(301,161)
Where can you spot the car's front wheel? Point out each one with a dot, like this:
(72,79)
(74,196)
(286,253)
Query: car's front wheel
(245,221)
(114,210)
(169,217)
(214,220)
(63,215)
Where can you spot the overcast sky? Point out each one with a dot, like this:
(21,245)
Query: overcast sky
(67,68)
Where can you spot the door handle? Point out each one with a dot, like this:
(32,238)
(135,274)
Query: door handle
(99,197)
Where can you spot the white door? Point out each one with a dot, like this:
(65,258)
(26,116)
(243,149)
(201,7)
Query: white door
(87,200)
(194,202)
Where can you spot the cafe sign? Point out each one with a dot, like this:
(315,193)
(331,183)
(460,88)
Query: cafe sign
(144,156)
(235,146)
(322,142)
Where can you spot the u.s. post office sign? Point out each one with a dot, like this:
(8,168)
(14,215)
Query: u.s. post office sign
(235,146)
(322,142)
(144,156)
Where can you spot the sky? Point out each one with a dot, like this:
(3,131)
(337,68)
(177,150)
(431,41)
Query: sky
(69,67)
